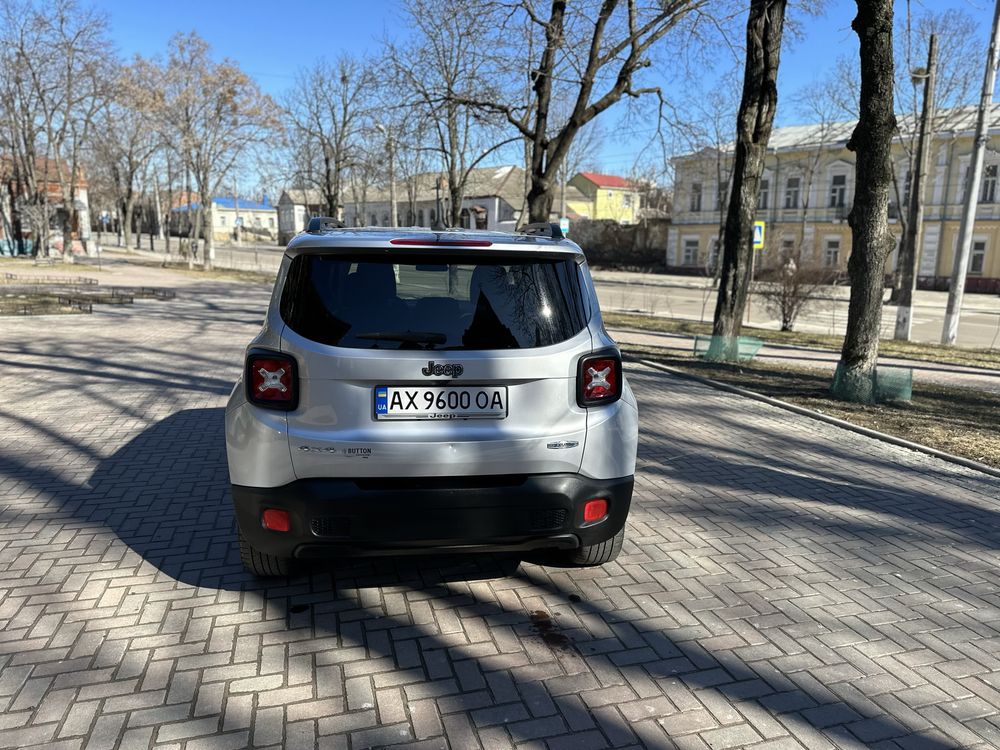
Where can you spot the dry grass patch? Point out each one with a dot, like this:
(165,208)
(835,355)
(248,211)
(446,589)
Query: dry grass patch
(907,349)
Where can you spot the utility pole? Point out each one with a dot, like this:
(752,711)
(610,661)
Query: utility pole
(957,288)
(913,239)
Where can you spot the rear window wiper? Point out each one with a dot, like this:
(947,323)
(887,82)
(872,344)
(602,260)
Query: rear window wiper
(406,337)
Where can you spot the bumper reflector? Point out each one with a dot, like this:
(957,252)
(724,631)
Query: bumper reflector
(595,510)
(277,520)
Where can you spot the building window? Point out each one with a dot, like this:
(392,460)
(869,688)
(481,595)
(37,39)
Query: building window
(222,220)
(792,192)
(977,261)
(713,255)
(374,220)
(765,189)
(256,222)
(434,217)
(696,196)
(838,191)
(627,200)
(787,248)
(831,258)
(989,193)
(721,195)
(690,253)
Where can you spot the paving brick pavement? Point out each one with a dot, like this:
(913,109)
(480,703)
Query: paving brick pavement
(785,584)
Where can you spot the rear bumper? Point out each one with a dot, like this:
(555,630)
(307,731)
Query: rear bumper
(331,517)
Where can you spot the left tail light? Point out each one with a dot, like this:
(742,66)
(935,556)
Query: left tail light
(272,380)
(599,379)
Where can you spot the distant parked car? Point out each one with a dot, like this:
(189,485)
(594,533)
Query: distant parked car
(414,390)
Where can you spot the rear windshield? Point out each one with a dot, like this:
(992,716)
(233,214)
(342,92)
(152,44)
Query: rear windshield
(428,303)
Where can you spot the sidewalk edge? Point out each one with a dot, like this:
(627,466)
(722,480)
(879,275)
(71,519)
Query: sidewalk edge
(949,457)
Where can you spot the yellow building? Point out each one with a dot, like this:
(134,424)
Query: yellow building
(605,196)
(808,188)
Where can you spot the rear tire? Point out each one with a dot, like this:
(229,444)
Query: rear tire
(597,554)
(260,563)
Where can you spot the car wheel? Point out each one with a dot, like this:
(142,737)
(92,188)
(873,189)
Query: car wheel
(597,554)
(261,563)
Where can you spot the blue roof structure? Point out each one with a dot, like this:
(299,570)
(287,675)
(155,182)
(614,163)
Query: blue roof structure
(227,201)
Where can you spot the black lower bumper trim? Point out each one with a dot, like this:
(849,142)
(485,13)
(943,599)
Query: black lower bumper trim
(335,517)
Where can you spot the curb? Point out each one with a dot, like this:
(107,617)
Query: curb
(950,458)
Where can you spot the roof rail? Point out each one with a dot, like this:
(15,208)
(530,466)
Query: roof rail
(542,229)
(323,224)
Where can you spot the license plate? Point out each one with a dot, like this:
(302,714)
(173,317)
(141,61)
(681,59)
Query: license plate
(469,402)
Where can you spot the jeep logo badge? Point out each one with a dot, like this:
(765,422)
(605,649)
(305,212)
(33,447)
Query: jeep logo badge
(450,370)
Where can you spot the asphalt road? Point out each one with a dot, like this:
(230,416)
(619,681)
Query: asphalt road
(693,298)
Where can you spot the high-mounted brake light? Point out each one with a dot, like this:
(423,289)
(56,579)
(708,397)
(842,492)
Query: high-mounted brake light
(271,380)
(599,379)
(416,242)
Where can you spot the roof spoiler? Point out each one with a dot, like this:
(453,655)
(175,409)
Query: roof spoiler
(319,224)
(542,229)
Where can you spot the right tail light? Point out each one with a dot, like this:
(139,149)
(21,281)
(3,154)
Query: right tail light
(599,379)
(271,380)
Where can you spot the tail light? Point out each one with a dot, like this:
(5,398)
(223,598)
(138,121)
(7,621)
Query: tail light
(271,380)
(599,379)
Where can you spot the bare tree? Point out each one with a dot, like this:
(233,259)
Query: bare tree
(590,53)
(753,129)
(957,69)
(126,138)
(441,69)
(215,114)
(790,286)
(869,218)
(54,82)
(21,130)
(72,73)
(326,111)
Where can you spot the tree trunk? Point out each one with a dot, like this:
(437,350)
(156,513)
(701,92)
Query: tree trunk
(127,210)
(540,199)
(753,130)
(869,217)
(209,260)
(140,211)
(67,233)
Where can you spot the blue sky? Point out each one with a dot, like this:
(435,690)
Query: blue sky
(271,40)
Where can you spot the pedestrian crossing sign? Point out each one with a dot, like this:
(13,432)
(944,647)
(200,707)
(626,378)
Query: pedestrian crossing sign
(758,235)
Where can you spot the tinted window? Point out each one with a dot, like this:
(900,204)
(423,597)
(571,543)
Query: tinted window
(428,303)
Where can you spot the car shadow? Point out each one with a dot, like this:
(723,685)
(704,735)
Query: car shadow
(165,494)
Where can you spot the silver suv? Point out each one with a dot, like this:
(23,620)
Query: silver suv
(415,390)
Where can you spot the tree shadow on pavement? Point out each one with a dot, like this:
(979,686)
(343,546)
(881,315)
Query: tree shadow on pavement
(517,652)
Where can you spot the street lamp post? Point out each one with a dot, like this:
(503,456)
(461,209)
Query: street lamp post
(915,228)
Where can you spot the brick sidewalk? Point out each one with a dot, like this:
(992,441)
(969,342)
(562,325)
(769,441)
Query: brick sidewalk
(785,584)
